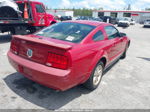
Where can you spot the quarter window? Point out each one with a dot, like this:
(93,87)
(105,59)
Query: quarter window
(98,36)
(40,9)
(112,32)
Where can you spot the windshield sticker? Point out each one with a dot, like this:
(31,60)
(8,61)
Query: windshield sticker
(40,32)
(51,30)
(78,31)
(70,38)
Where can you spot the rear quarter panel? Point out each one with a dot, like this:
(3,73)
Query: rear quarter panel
(86,55)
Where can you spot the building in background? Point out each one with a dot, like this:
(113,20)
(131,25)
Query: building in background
(138,16)
(61,12)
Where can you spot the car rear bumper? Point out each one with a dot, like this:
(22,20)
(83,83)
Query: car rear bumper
(51,77)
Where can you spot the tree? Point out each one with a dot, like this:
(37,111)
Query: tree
(147,9)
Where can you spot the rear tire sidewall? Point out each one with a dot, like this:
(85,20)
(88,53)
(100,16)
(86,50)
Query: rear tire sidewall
(125,52)
(124,55)
(89,83)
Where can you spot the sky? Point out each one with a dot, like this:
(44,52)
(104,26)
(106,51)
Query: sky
(106,4)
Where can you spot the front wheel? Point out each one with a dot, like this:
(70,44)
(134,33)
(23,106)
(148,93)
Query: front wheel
(96,76)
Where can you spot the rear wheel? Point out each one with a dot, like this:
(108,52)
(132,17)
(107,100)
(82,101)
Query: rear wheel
(124,54)
(125,51)
(96,76)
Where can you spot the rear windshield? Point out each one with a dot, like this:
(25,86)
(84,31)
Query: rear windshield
(124,19)
(72,32)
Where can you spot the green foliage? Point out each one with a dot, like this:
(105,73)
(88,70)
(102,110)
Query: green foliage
(82,12)
(147,9)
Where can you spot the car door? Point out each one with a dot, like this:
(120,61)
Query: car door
(114,41)
(41,14)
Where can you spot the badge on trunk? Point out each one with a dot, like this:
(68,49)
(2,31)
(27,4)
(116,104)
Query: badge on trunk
(29,53)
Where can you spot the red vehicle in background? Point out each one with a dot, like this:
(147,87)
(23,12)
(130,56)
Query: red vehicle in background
(31,18)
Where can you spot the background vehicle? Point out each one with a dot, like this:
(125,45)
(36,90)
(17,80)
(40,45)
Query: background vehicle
(123,22)
(147,23)
(82,18)
(31,17)
(96,19)
(65,18)
(132,22)
(67,54)
(89,18)
(109,19)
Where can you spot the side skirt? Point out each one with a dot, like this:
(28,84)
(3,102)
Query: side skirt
(111,64)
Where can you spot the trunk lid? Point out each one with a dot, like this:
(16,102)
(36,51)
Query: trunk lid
(37,49)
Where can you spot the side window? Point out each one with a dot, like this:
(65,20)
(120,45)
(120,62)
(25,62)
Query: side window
(98,36)
(112,32)
(40,9)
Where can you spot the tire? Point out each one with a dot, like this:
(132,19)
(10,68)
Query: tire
(124,55)
(125,51)
(93,82)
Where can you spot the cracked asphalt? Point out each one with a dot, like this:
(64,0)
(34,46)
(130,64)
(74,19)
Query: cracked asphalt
(126,85)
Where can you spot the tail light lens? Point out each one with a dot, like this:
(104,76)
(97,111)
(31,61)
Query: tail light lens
(57,61)
(14,46)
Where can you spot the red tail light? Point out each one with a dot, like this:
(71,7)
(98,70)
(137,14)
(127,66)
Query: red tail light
(57,61)
(14,46)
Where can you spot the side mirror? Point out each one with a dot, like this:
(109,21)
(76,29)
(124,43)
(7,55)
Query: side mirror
(123,34)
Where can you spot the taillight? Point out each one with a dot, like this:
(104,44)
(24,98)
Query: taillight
(57,61)
(14,46)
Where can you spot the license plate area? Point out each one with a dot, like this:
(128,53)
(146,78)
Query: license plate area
(25,71)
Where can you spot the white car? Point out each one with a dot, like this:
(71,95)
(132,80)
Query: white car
(123,22)
(132,22)
(147,23)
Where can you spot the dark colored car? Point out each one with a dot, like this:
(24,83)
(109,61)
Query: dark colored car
(110,19)
(65,18)
(96,19)
(89,18)
(83,18)
(68,53)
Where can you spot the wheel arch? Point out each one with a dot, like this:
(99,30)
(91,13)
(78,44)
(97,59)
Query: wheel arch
(101,56)
(104,60)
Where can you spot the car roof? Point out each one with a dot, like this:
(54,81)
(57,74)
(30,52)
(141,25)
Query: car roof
(88,22)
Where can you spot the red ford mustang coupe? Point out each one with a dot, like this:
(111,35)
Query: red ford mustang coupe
(68,53)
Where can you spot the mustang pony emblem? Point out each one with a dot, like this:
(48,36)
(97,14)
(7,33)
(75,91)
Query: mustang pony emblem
(29,53)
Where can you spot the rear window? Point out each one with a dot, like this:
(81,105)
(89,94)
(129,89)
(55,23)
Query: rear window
(72,32)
